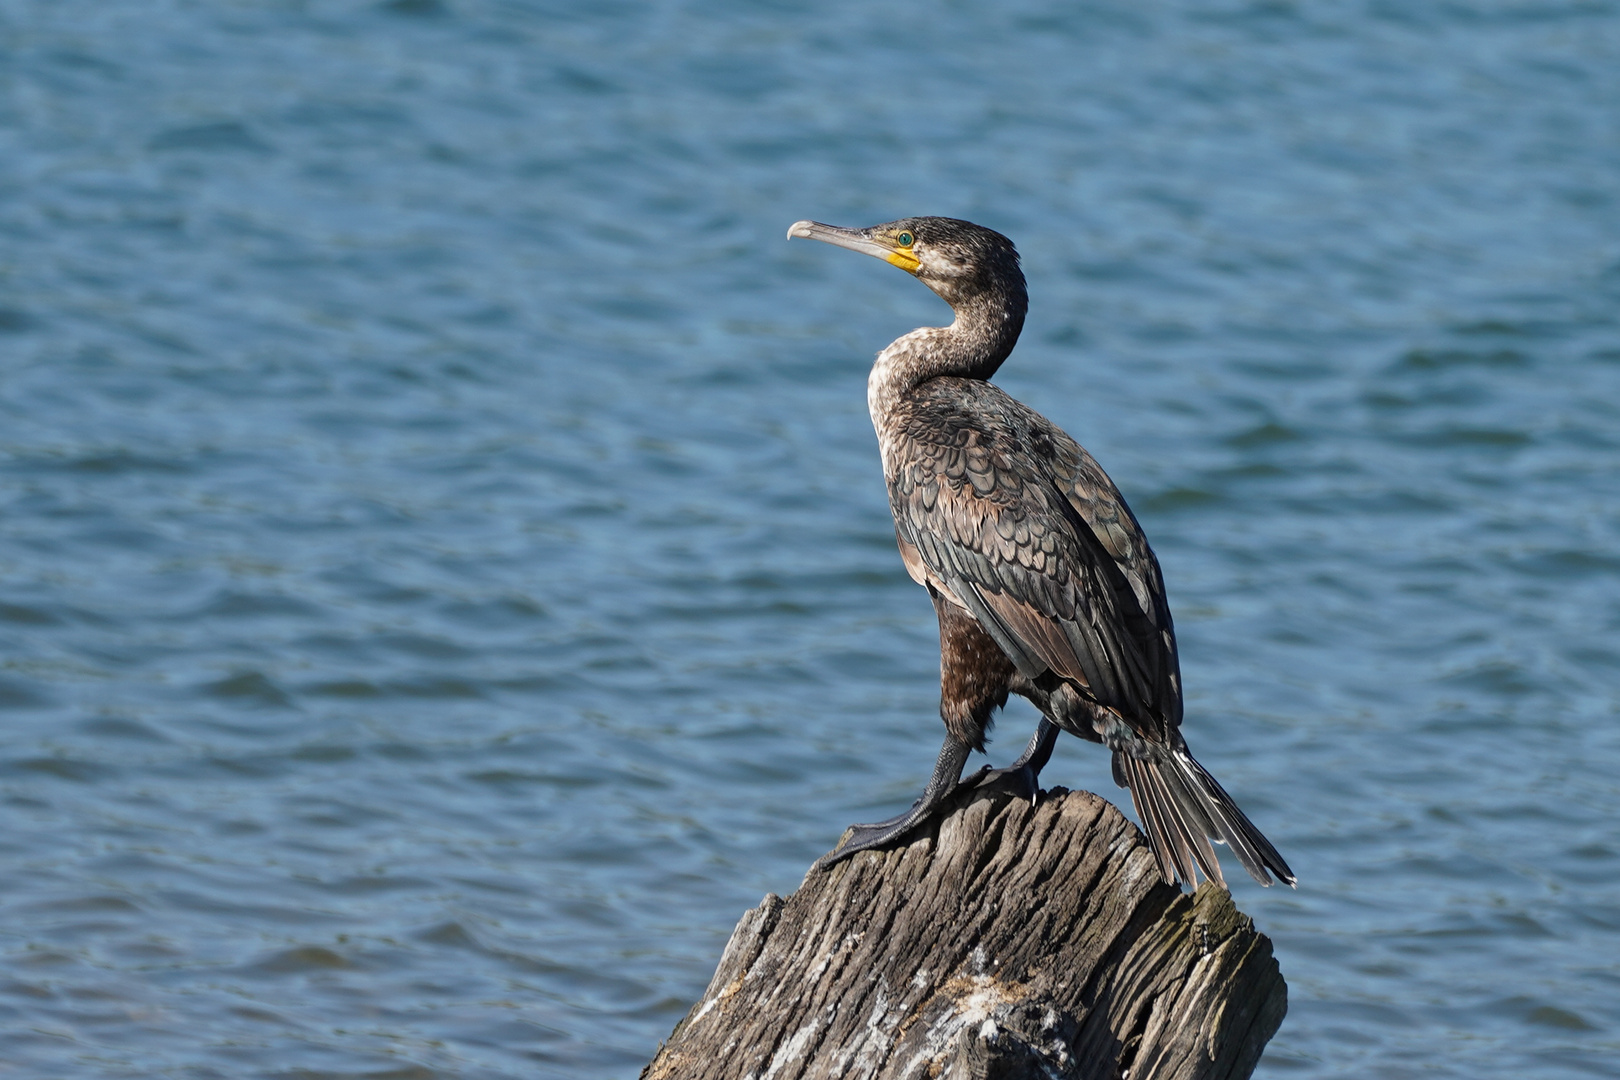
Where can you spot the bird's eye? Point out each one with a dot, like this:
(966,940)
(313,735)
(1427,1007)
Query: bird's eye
(905,239)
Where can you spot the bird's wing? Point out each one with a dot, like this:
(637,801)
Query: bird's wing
(1103,510)
(1007,516)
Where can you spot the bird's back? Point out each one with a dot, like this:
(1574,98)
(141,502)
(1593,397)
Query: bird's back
(1017,523)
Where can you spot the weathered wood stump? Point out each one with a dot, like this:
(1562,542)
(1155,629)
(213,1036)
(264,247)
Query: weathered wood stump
(1008,941)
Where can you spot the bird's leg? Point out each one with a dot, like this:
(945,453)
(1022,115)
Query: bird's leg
(947,771)
(1024,774)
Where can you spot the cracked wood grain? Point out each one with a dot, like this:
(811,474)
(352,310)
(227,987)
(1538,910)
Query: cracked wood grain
(1005,941)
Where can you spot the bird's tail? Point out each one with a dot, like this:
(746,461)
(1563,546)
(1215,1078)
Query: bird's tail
(1183,808)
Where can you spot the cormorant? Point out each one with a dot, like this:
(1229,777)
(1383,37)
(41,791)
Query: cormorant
(1042,580)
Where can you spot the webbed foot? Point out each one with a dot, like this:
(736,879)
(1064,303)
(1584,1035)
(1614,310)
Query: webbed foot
(947,773)
(1021,780)
(1024,775)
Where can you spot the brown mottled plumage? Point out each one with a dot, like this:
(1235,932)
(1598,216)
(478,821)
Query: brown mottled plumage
(1042,579)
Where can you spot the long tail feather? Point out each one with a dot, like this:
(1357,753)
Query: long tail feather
(1171,865)
(1183,808)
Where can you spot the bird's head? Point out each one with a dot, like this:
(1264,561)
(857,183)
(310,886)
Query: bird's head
(959,260)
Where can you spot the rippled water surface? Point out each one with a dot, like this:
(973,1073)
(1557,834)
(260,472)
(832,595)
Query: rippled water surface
(445,574)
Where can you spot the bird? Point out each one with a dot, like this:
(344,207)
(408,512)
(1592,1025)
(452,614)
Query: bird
(1041,577)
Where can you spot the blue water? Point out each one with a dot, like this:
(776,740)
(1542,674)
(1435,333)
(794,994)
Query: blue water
(445,573)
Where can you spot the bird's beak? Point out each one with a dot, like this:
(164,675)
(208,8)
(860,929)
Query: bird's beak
(862,240)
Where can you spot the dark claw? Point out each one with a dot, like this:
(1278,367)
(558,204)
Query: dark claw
(1022,780)
(1024,775)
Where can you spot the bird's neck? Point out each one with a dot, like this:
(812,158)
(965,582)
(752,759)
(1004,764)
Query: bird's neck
(972,347)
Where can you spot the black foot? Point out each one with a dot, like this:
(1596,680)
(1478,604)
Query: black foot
(944,782)
(1024,775)
(867,836)
(1021,780)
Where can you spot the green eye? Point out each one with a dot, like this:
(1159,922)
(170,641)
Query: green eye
(905,239)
